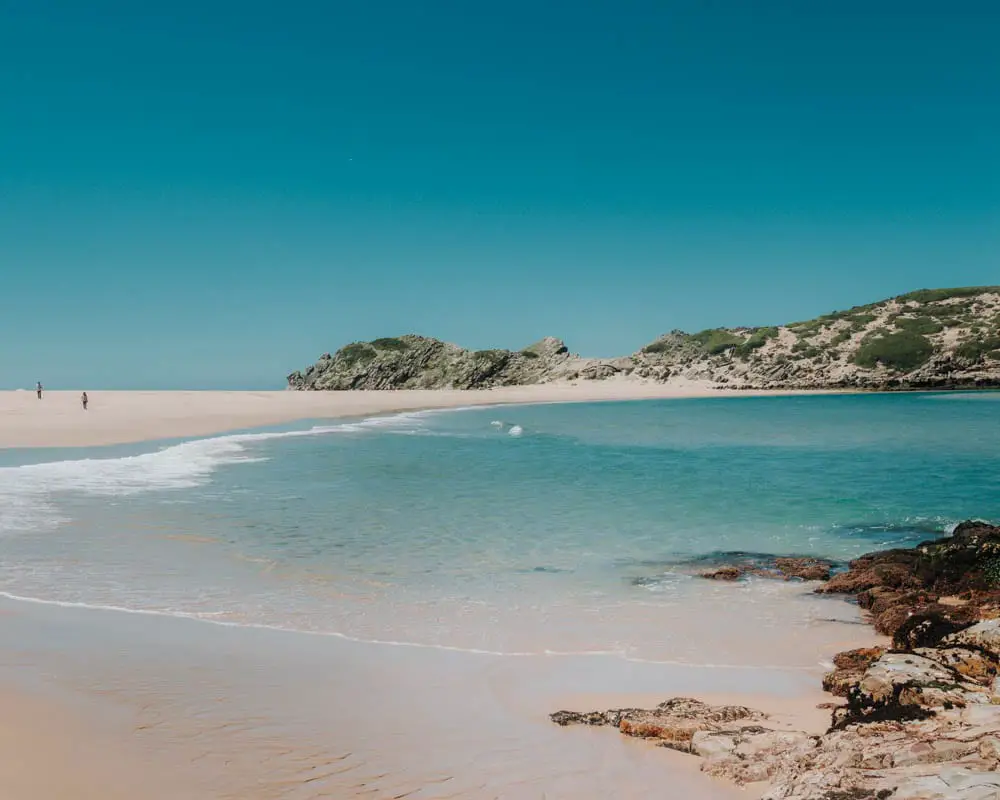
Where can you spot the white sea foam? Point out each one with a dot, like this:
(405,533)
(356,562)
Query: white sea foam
(27,491)
(515,430)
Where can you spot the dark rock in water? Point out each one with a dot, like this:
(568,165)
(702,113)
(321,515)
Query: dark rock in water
(806,569)
(723,574)
(744,559)
(965,561)
(869,572)
(737,564)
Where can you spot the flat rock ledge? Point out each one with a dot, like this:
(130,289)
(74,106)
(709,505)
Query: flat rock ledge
(919,721)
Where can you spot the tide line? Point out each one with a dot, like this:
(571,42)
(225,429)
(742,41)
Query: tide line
(211,618)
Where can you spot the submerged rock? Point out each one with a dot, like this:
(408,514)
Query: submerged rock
(806,569)
(723,574)
(736,565)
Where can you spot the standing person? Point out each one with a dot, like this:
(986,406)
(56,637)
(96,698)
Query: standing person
(84,400)
(38,389)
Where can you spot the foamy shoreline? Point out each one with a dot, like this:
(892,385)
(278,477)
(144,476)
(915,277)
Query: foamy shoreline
(119,417)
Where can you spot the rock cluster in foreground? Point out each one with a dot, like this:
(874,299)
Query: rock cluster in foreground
(920,720)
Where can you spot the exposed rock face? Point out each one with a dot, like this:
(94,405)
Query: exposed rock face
(920,721)
(418,362)
(937,338)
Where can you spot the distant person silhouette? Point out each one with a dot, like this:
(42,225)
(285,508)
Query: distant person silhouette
(38,389)
(84,399)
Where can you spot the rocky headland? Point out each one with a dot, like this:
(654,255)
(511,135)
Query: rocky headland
(917,719)
(928,339)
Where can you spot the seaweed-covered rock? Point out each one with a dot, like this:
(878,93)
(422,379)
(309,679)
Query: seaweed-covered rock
(927,625)
(983,636)
(951,565)
(971,664)
(806,569)
(849,669)
(723,574)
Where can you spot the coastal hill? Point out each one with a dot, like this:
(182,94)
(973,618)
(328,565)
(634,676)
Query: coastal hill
(930,338)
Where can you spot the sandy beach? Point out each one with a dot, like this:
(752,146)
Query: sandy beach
(116,706)
(143,706)
(117,417)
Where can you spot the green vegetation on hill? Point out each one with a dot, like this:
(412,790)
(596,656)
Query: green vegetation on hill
(657,347)
(716,340)
(757,340)
(975,349)
(391,343)
(903,351)
(356,352)
(926,338)
(936,295)
(921,325)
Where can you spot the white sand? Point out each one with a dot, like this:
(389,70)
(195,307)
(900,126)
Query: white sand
(115,417)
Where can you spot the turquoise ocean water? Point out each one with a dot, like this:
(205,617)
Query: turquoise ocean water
(577,531)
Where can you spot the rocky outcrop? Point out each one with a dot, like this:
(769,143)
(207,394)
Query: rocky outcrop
(921,720)
(674,723)
(418,362)
(938,338)
(804,568)
(849,668)
(921,594)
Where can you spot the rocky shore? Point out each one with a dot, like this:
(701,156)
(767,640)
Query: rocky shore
(919,719)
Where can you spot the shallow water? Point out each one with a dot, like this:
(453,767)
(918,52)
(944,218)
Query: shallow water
(443,567)
(443,529)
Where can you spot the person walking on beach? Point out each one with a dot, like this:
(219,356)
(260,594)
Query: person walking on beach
(84,400)
(38,389)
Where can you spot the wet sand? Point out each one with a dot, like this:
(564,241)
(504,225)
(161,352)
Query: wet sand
(58,420)
(260,714)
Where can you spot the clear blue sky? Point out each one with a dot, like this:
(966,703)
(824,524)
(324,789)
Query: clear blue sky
(211,194)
